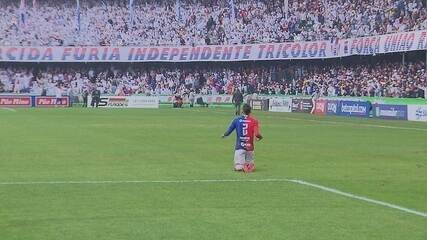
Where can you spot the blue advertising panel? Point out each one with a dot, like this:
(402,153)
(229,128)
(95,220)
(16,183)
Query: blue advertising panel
(355,108)
(391,111)
(333,107)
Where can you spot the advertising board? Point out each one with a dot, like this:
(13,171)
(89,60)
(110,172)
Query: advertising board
(417,113)
(391,111)
(15,101)
(355,108)
(280,104)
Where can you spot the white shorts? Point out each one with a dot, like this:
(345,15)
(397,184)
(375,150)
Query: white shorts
(241,157)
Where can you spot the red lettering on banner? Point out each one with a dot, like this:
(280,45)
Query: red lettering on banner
(304,50)
(247,52)
(376,45)
(164,54)
(195,52)
(279,51)
(10,101)
(9,53)
(51,102)
(238,48)
(261,50)
(93,54)
(269,52)
(21,54)
(140,54)
(226,54)
(320,107)
(130,55)
(115,55)
(66,53)
(285,49)
(104,53)
(48,54)
(80,53)
(312,50)
(174,53)
(206,53)
(421,43)
(296,50)
(34,54)
(184,53)
(217,53)
(398,42)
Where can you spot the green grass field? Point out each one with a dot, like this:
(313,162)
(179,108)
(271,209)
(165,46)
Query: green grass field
(380,160)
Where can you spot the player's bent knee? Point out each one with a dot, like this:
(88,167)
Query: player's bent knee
(238,167)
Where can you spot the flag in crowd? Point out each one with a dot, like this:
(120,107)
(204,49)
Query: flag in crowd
(78,17)
(131,12)
(286,2)
(22,12)
(233,14)
(178,10)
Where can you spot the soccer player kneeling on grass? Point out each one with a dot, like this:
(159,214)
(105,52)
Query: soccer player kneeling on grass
(247,130)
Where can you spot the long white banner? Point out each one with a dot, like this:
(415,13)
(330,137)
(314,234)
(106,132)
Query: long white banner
(127,101)
(398,42)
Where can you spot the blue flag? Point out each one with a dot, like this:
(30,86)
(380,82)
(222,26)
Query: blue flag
(22,12)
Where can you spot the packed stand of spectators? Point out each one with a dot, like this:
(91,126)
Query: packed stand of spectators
(200,22)
(387,79)
(380,80)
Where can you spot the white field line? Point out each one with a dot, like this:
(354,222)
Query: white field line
(350,195)
(301,182)
(8,109)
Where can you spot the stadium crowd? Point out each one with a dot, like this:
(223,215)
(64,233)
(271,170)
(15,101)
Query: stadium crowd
(200,22)
(390,79)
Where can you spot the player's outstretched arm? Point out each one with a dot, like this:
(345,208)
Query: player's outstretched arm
(230,129)
(258,134)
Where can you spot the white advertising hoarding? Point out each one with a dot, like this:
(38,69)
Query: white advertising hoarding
(280,104)
(417,113)
(127,102)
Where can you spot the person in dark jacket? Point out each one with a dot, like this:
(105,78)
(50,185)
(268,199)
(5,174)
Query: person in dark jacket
(96,98)
(85,96)
(237,101)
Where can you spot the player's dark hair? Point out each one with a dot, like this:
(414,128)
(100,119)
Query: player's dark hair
(246,109)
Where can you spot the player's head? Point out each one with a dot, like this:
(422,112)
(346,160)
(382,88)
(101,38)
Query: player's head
(246,109)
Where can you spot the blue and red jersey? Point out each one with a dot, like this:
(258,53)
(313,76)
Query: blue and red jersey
(246,130)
